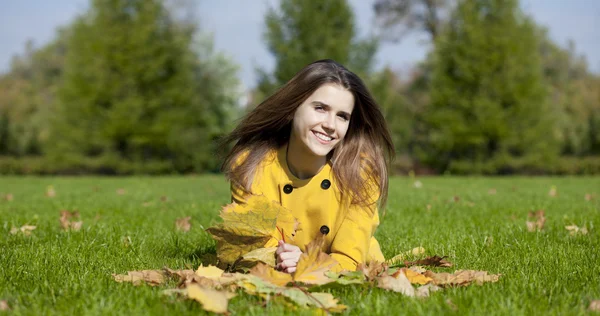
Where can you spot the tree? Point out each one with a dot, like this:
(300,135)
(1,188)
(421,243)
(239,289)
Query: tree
(301,32)
(139,87)
(399,17)
(488,100)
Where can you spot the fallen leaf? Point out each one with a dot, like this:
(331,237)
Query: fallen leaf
(553,191)
(492,191)
(451,305)
(399,284)
(249,226)
(435,261)
(211,300)
(372,270)
(456,198)
(417,184)
(271,275)
(121,191)
(575,230)
(4,306)
(8,197)
(536,220)
(461,277)
(423,291)
(183,224)
(65,220)
(25,229)
(594,306)
(589,197)
(210,272)
(181,274)
(402,256)
(413,276)
(50,192)
(428,207)
(314,263)
(164,198)
(150,277)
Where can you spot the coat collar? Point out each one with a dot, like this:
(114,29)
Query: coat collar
(324,173)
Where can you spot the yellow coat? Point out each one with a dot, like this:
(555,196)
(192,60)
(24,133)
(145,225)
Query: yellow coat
(315,202)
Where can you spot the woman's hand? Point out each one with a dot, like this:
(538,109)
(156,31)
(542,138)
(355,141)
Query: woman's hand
(287,257)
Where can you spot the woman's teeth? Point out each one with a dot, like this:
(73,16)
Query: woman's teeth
(323,137)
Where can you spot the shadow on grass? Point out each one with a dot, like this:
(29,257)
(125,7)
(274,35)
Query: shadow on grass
(204,254)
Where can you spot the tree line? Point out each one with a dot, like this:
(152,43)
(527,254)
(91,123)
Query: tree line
(136,87)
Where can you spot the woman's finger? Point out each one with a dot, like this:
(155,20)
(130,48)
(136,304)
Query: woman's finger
(290,270)
(290,248)
(289,255)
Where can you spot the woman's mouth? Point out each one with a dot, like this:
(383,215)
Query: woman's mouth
(322,137)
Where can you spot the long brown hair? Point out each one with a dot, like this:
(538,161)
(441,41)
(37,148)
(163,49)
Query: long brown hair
(359,161)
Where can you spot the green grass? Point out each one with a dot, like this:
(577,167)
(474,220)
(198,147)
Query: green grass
(56,272)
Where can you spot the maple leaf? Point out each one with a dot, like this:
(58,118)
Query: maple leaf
(402,256)
(265,255)
(183,224)
(210,272)
(211,300)
(25,229)
(538,219)
(413,276)
(65,220)
(271,275)
(372,270)
(151,277)
(249,226)
(399,284)
(313,264)
(461,277)
(435,261)
(575,230)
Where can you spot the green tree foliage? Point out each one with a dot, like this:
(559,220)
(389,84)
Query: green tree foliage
(303,31)
(489,104)
(139,87)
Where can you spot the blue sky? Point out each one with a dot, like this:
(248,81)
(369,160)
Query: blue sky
(238,33)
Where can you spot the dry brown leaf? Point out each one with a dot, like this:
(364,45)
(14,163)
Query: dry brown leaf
(121,191)
(372,270)
(576,230)
(451,305)
(271,275)
(413,276)
(435,261)
(65,220)
(536,220)
(461,277)
(211,300)
(589,197)
(402,256)
(594,306)
(50,192)
(164,198)
(25,229)
(4,306)
(250,226)
(150,277)
(181,274)
(183,224)
(492,191)
(8,197)
(314,263)
(399,284)
(423,291)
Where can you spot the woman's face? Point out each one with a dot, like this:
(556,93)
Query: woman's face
(321,122)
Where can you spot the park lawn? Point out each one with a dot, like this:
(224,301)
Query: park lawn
(58,272)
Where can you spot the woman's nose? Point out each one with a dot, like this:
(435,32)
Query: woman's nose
(329,122)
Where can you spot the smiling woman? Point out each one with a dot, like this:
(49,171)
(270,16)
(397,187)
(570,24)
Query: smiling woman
(319,146)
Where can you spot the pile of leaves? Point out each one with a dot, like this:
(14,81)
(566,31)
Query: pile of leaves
(246,228)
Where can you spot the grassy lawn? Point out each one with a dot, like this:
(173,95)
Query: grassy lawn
(57,272)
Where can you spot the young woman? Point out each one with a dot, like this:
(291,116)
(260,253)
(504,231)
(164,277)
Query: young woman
(321,147)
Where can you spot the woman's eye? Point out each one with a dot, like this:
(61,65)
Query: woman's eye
(343,117)
(319,108)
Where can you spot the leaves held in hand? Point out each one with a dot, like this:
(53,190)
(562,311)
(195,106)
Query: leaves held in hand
(250,226)
(435,261)
(536,220)
(271,275)
(183,224)
(265,255)
(576,230)
(25,230)
(67,224)
(314,263)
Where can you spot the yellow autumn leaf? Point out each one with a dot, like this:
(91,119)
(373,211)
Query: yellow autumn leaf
(211,300)
(250,226)
(414,277)
(266,255)
(313,264)
(403,256)
(271,275)
(399,284)
(210,272)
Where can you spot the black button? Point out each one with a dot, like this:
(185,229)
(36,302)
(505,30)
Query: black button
(288,188)
(325,184)
(324,230)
